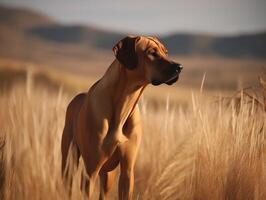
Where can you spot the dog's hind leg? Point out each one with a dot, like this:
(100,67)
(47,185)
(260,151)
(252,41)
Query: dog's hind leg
(70,155)
(70,162)
(106,182)
(67,137)
(65,146)
(88,184)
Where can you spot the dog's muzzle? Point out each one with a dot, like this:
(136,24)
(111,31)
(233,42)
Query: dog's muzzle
(171,75)
(177,68)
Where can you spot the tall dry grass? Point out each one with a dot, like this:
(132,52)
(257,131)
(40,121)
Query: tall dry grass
(207,151)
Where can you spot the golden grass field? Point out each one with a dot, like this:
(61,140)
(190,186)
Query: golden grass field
(210,149)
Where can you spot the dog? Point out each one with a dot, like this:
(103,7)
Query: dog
(103,126)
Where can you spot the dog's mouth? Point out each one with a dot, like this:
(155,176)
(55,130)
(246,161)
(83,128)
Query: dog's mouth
(169,81)
(172,80)
(156,82)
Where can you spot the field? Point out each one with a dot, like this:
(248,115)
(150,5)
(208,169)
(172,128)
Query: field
(204,137)
(196,144)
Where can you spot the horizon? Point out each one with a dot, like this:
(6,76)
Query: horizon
(74,15)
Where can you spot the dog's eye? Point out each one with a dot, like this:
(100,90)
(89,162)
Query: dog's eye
(155,54)
(152,55)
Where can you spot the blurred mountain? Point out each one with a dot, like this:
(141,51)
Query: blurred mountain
(22,18)
(77,34)
(21,28)
(248,45)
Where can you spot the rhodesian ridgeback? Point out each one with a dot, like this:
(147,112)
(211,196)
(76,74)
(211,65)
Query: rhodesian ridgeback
(104,125)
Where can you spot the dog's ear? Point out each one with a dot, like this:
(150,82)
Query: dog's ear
(125,52)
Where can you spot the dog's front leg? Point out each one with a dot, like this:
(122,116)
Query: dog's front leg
(128,152)
(126,183)
(111,141)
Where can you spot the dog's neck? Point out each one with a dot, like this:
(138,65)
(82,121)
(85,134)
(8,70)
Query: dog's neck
(125,90)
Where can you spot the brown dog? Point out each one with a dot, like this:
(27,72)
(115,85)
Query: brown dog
(104,124)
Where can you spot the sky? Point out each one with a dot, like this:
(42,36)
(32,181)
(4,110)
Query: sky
(157,16)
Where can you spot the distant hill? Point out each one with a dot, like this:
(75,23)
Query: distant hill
(31,26)
(22,18)
(250,45)
(77,34)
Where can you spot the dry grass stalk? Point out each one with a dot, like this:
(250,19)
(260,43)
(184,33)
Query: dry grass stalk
(208,152)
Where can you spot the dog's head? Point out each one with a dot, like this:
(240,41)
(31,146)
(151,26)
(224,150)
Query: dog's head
(147,57)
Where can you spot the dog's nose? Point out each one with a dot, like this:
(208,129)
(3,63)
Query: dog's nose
(178,67)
